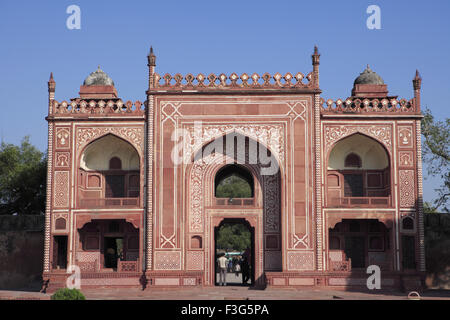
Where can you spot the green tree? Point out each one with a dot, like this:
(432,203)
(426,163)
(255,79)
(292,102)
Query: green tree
(23,171)
(436,155)
(233,236)
(234,187)
(428,207)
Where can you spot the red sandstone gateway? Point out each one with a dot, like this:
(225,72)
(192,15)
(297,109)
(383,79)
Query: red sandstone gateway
(336,186)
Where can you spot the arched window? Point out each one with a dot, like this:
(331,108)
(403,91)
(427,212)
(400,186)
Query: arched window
(408,223)
(115,163)
(234,181)
(353,160)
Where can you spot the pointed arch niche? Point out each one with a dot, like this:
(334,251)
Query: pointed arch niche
(108,174)
(358,173)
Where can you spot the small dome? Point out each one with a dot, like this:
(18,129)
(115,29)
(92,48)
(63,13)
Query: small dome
(98,78)
(368,77)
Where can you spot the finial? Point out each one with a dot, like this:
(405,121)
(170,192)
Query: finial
(51,83)
(417,74)
(368,68)
(51,80)
(151,58)
(417,81)
(315,56)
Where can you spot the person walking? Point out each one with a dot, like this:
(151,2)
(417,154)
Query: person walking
(222,262)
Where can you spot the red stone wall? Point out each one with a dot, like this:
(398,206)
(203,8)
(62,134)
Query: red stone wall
(287,120)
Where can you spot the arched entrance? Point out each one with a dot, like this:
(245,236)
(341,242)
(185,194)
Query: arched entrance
(235,238)
(235,157)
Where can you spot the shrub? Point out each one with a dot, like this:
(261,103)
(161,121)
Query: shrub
(68,294)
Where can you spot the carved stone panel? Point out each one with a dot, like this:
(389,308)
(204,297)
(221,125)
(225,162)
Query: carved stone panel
(406,159)
(62,138)
(62,159)
(167,260)
(407,194)
(382,133)
(300,261)
(61,189)
(405,137)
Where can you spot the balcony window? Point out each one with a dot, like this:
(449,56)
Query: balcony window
(109,174)
(358,173)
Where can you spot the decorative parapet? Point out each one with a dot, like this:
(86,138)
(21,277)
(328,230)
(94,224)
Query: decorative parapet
(233,81)
(362,106)
(116,107)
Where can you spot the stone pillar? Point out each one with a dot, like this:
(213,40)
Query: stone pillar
(420,199)
(318,183)
(51,98)
(318,163)
(149,159)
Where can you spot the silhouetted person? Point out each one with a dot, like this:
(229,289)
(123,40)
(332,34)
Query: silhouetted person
(245,270)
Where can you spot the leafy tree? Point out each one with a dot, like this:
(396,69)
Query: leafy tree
(428,207)
(23,171)
(437,156)
(234,187)
(233,236)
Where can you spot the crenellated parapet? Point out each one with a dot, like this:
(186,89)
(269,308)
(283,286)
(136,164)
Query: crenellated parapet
(99,107)
(368,105)
(233,81)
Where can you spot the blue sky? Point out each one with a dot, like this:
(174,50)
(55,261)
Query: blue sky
(215,36)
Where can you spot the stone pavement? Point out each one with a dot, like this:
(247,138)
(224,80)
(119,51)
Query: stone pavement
(226,293)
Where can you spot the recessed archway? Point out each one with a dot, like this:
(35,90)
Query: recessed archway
(358,243)
(115,244)
(235,238)
(358,173)
(234,181)
(109,174)
(205,211)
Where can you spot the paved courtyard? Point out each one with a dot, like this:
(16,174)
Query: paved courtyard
(229,292)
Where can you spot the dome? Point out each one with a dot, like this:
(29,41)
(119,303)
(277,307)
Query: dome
(98,78)
(368,77)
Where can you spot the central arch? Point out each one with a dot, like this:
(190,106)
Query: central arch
(263,211)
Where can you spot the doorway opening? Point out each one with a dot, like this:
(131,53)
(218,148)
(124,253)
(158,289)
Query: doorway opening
(59,252)
(113,251)
(362,242)
(235,239)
